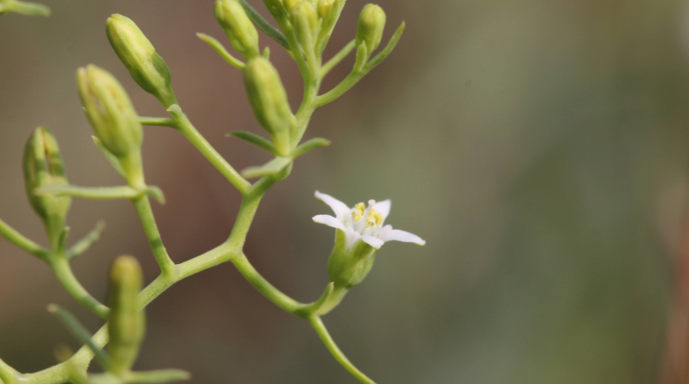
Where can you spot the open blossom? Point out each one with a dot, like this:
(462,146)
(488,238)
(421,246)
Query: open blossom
(365,223)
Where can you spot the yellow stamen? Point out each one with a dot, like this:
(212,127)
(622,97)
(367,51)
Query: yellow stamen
(374,218)
(358,212)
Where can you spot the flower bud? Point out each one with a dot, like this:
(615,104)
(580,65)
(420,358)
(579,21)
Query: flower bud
(329,11)
(238,27)
(137,53)
(269,101)
(371,27)
(348,264)
(289,4)
(305,22)
(43,167)
(127,323)
(113,118)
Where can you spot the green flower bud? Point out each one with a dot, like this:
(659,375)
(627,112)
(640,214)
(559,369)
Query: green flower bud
(269,101)
(113,118)
(289,4)
(371,27)
(127,323)
(147,68)
(276,7)
(238,27)
(43,167)
(305,22)
(349,266)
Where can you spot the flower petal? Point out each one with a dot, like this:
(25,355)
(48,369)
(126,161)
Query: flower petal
(341,209)
(329,221)
(383,207)
(403,236)
(373,241)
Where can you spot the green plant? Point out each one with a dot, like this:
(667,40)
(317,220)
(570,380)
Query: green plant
(304,30)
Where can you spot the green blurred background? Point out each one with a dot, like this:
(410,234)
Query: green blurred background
(540,147)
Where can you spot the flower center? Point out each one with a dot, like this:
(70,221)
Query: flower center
(371,216)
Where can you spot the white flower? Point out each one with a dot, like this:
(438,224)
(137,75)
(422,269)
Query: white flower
(363,223)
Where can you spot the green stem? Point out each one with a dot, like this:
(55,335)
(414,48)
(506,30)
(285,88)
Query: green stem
(143,207)
(64,274)
(322,332)
(22,242)
(158,121)
(60,373)
(96,193)
(333,301)
(7,373)
(198,141)
(262,285)
(337,59)
(28,9)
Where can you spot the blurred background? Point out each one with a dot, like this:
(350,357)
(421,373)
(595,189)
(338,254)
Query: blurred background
(540,147)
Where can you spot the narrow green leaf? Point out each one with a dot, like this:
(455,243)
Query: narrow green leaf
(256,140)
(388,49)
(271,168)
(215,44)
(264,25)
(80,333)
(156,193)
(309,146)
(84,244)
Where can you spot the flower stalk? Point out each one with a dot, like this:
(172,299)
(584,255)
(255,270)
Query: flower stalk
(305,29)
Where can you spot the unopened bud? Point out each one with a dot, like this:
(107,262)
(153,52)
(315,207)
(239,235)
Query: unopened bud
(113,118)
(329,11)
(127,323)
(349,265)
(238,27)
(137,53)
(371,27)
(305,21)
(43,167)
(269,101)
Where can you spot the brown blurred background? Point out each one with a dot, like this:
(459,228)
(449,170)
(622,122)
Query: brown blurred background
(540,147)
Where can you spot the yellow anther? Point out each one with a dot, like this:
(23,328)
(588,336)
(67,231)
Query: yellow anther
(374,218)
(358,212)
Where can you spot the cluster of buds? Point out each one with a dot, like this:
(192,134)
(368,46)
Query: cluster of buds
(264,87)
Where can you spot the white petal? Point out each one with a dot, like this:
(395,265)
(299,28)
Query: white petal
(390,234)
(329,221)
(373,241)
(383,207)
(341,209)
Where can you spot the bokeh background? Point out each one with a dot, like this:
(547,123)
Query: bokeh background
(540,147)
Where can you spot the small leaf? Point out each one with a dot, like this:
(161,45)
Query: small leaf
(256,140)
(215,44)
(388,48)
(309,146)
(156,193)
(80,333)
(84,244)
(271,168)
(264,25)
